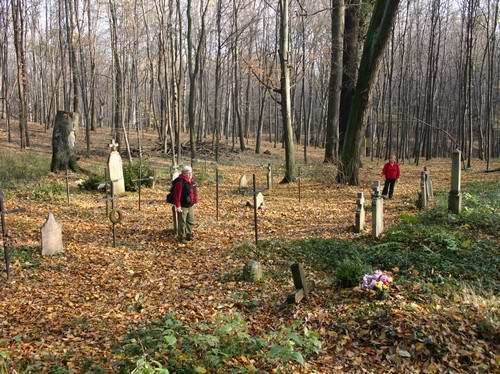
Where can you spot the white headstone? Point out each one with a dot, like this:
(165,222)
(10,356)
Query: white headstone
(243,182)
(115,170)
(360,212)
(260,200)
(51,233)
(377,210)
(455,194)
(424,195)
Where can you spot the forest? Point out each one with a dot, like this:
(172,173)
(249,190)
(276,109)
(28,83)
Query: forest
(249,186)
(220,71)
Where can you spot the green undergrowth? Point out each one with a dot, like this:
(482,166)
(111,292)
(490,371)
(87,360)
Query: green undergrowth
(21,168)
(434,246)
(225,345)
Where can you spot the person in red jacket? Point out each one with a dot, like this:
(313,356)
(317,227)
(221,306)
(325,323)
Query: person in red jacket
(391,174)
(184,198)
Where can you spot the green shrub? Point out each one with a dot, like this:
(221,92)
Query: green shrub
(132,172)
(350,272)
(207,347)
(91,183)
(22,167)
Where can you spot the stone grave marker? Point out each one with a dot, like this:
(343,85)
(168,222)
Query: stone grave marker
(302,286)
(243,183)
(115,170)
(429,189)
(377,210)
(51,233)
(260,200)
(269,176)
(455,195)
(252,272)
(360,213)
(423,195)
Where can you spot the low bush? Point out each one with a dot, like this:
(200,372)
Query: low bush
(22,167)
(92,183)
(350,272)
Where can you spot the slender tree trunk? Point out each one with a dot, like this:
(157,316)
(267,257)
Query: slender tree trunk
(332,122)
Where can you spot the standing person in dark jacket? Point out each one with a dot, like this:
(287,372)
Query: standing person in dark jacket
(184,197)
(391,174)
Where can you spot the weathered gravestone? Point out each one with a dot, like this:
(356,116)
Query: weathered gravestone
(259,200)
(269,177)
(428,182)
(455,195)
(115,170)
(51,233)
(243,183)
(302,285)
(63,140)
(252,272)
(423,195)
(377,210)
(360,213)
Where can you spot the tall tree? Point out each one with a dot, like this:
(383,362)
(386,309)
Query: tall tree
(286,102)
(18,16)
(377,36)
(334,89)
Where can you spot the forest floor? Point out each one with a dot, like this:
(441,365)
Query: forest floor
(94,308)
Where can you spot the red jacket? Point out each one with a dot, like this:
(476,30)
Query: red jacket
(391,171)
(178,190)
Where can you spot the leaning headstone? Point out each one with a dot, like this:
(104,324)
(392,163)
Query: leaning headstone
(260,200)
(243,184)
(455,195)
(377,210)
(301,284)
(252,272)
(360,213)
(423,195)
(51,233)
(115,170)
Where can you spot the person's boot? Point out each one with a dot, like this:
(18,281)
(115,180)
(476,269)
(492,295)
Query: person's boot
(189,237)
(182,240)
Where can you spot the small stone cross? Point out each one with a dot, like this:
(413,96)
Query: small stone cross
(113,145)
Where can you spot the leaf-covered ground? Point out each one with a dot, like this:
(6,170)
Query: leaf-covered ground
(72,311)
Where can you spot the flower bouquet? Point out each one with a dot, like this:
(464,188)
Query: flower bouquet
(379,282)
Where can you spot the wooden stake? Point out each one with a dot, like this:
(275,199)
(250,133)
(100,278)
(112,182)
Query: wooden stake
(217,193)
(6,253)
(67,186)
(255,210)
(299,184)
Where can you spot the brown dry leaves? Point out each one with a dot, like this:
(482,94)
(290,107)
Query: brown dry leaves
(79,304)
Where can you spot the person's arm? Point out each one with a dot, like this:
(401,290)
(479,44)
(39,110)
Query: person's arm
(382,173)
(177,196)
(398,172)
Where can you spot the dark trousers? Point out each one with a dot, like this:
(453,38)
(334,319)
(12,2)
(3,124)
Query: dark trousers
(389,187)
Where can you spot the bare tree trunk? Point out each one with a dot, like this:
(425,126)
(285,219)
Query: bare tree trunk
(332,122)
(22,78)
(286,105)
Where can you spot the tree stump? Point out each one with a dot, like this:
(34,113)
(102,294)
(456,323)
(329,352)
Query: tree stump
(63,141)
